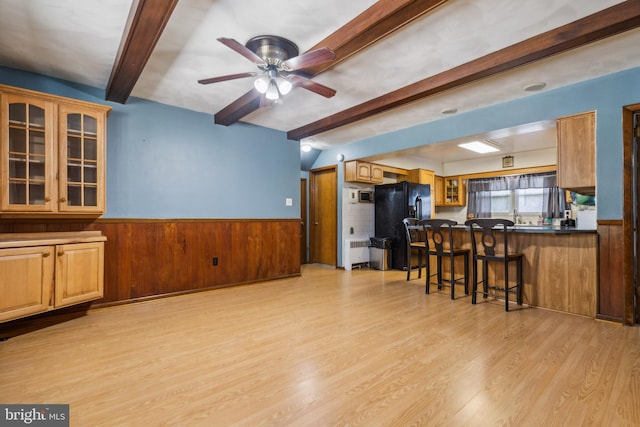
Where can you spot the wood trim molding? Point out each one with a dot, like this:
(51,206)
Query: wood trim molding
(614,222)
(519,171)
(628,278)
(147,19)
(372,25)
(191,220)
(608,22)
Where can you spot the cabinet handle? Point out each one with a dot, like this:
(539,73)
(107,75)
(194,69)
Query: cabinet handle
(46,254)
(60,253)
(63,199)
(47,199)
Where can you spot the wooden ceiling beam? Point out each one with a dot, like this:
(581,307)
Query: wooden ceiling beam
(375,23)
(380,20)
(146,21)
(608,22)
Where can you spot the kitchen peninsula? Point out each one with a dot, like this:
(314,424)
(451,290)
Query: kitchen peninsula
(560,270)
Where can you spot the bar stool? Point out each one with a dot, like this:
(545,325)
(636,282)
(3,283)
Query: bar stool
(443,247)
(415,240)
(486,251)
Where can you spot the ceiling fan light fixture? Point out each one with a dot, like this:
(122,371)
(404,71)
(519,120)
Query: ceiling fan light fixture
(272,91)
(284,85)
(261,84)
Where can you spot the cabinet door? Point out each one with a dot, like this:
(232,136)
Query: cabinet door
(455,192)
(81,160)
(577,153)
(363,172)
(79,273)
(376,174)
(438,190)
(26,280)
(27,148)
(451,191)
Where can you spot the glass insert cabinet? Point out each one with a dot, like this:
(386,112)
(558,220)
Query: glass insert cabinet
(454,191)
(53,154)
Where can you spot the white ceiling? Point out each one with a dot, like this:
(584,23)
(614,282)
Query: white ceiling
(78,40)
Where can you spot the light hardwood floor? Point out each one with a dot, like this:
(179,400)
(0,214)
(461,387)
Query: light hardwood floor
(330,348)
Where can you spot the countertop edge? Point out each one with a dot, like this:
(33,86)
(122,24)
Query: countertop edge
(23,240)
(550,229)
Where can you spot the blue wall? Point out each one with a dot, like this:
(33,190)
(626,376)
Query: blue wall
(607,95)
(168,162)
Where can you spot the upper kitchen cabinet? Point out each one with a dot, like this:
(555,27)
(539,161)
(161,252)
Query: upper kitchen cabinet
(357,171)
(438,190)
(577,152)
(424,176)
(455,191)
(53,155)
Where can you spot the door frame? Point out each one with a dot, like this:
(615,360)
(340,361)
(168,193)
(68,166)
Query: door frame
(304,230)
(629,223)
(313,200)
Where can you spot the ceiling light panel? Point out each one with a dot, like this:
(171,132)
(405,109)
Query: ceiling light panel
(479,147)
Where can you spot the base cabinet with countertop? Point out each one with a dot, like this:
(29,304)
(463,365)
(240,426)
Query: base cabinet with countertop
(560,270)
(46,271)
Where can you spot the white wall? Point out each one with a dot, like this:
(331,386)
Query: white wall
(481,164)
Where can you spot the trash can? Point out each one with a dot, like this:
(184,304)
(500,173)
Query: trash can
(380,253)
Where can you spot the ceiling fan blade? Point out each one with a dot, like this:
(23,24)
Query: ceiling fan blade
(309,59)
(246,104)
(227,77)
(242,50)
(312,86)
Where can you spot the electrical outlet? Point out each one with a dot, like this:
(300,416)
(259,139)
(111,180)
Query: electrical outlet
(215,260)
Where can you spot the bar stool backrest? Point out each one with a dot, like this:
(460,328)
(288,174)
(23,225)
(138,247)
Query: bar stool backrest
(488,227)
(437,239)
(414,230)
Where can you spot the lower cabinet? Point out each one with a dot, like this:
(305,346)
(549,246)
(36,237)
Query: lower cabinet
(49,275)
(79,273)
(26,281)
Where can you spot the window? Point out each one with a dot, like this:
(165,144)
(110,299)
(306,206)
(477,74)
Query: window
(523,195)
(526,201)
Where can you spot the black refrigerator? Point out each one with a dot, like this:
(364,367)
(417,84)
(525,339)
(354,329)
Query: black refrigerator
(393,203)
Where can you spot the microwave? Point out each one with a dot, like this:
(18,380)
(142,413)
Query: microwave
(365,196)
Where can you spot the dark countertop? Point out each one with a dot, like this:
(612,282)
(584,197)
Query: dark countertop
(545,229)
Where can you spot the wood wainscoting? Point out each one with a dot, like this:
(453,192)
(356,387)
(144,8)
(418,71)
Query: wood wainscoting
(150,258)
(611,292)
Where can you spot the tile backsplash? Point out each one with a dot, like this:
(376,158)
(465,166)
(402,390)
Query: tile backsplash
(358,219)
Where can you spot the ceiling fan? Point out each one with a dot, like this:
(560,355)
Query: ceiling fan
(280,66)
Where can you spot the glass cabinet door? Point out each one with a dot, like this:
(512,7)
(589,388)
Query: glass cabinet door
(451,190)
(81,162)
(27,150)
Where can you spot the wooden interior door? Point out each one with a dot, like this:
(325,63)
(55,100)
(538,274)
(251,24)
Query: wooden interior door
(323,210)
(636,212)
(303,221)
